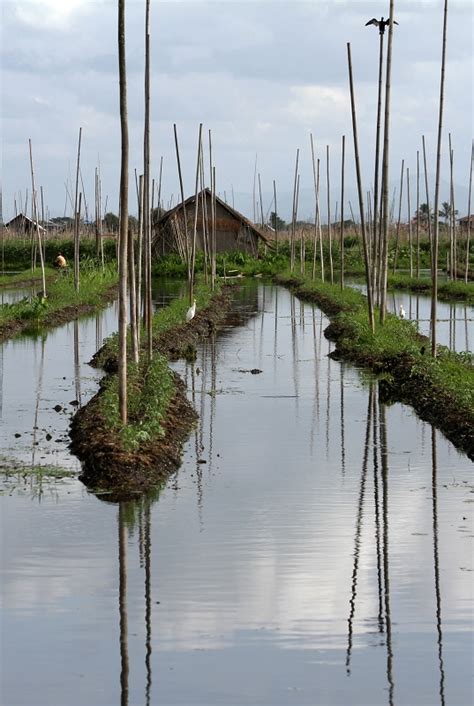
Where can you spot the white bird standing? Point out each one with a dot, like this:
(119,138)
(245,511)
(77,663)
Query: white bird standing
(401,312)
(191,311)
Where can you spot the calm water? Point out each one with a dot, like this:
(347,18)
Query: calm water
(322,554)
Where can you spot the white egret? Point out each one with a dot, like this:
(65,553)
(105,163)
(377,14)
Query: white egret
(401,312)
(191,311)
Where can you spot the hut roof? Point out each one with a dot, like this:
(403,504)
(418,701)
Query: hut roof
(22,221)
(232,212)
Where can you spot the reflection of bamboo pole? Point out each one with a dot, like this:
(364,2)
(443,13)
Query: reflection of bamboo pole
(385,546)
(124,671)
(358,529)
(434,491)
(147,547)
(377,516)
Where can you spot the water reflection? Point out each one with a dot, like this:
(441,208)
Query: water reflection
(312,559)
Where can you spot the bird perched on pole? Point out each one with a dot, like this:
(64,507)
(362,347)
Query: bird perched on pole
(191,311)
(401,312)
(381,24)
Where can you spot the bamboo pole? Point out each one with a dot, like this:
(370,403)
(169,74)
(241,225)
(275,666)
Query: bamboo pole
(417,213)
(376,250)
(328,187)
(385,171)
(397,241)
(293,220)
(196,209)
(212,176)
(410,237)
(315,233)
(146,192)
(341,246)
(434,288)
(178,160)
(76,227)
(35,220)
(430,235)
(360,192)
(276,214)
(261,200)
(452,215)
(123,231)
(468,237)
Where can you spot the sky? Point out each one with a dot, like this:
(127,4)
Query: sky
(261,75)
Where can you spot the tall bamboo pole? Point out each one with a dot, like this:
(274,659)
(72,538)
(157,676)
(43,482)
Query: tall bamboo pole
(261,200)
(376,216)
(146,191)
(361,197)
(410,237)
(276,214)
(434,288)
(452,215)
(76,225)
(385,170)
(35,220)
(468,237)
(196,209)
(181,187)
(293,220)
(430,234)
(328,187)
(417,213)
(400,200)
(343,156)
(123,231)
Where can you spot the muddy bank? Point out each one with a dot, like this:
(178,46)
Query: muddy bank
(106,464)
(56,318)
(405,380)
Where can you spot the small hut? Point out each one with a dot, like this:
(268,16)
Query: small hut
(234,232)
(23,225)
(466,221)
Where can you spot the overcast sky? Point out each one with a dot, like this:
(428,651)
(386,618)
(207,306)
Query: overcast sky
(260,75)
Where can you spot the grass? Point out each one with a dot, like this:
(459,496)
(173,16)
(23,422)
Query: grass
(7,280)
(458,290)
(61,294)
(150,390)
(17,251)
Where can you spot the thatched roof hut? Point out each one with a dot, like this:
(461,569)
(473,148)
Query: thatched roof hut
(234,232)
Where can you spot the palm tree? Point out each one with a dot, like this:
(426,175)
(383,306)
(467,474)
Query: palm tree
(446,211)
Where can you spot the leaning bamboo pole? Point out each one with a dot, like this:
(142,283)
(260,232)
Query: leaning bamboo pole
(196,209)
(76,224)
(376,214)
(181,187)
(123,230)
(385,171)
(468,236)
(434,288)
(361,198)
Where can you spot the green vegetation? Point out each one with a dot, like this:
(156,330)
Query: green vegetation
(446,290)
(150,389)
(61,294)
(17,251)
(25,276)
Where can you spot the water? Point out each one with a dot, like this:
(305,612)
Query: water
(321,555)
(12,296)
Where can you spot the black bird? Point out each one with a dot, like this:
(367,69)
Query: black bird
(381,24)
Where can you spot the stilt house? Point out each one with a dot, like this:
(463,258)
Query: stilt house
(233,231)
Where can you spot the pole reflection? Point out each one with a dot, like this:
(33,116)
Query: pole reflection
(124,663)
(434,491)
